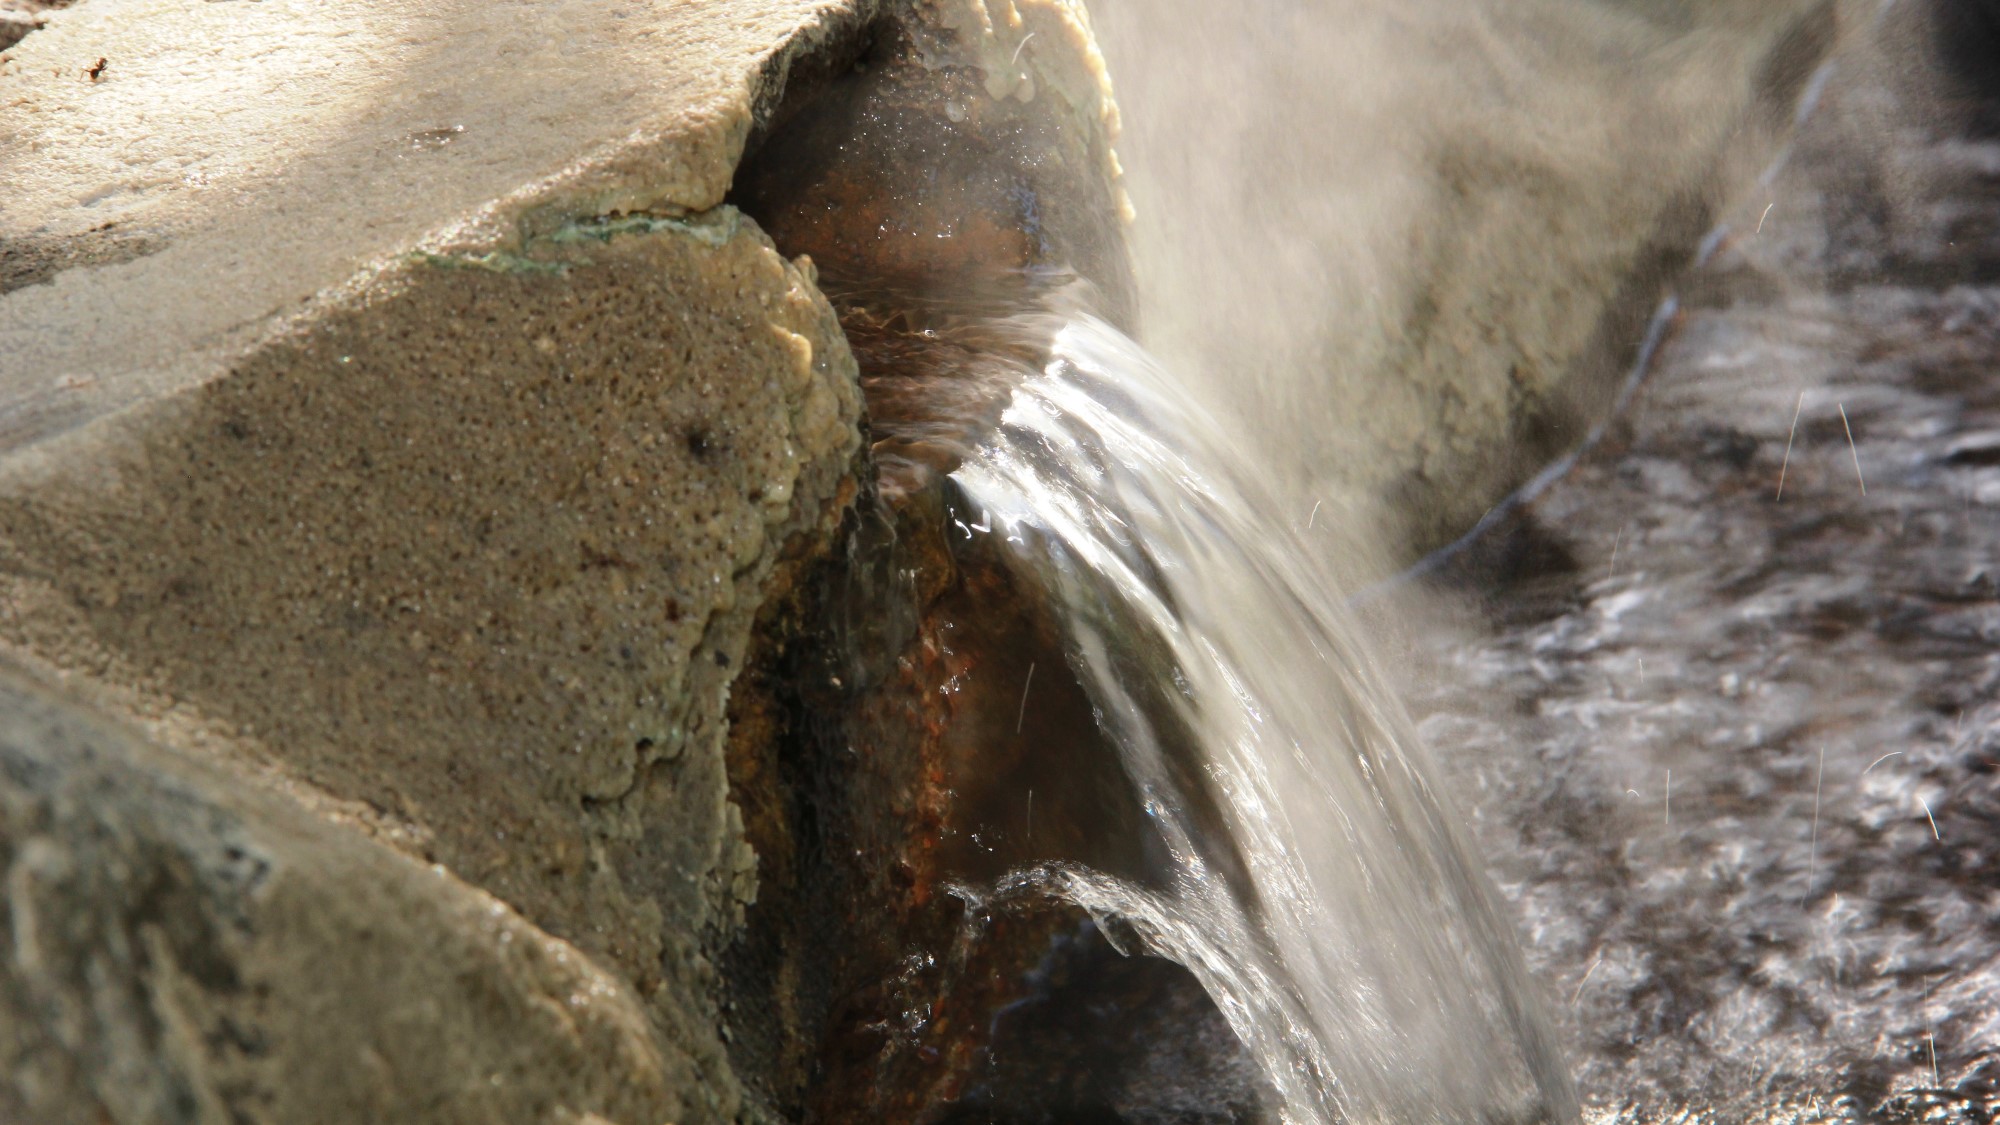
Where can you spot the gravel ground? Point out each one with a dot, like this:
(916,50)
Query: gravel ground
(1736,755)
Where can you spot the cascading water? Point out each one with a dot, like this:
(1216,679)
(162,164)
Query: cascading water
(1318,886)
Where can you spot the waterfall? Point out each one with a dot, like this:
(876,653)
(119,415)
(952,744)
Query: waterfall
(1320,886)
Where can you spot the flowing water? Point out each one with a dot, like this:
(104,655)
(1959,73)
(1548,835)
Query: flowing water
(1319,886)
(1726,932)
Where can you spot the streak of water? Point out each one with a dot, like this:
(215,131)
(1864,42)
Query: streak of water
(1320,889)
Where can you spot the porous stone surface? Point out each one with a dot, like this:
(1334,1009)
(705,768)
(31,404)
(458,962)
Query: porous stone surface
(401,438)
(230,161)
(182,948)
(468,565)
(477,556)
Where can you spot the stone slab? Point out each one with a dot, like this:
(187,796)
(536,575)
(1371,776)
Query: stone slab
(398,433)
(182,949)
(231,162)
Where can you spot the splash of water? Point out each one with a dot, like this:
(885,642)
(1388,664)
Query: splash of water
(1320,888)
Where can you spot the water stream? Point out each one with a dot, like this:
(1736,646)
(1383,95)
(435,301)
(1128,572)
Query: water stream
(1319,887)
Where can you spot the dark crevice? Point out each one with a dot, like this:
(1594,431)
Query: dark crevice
(21,18)
(1966,37)
(796,78)
(906,720)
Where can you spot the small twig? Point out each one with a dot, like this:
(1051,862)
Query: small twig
(1021,716)
(1812,865)
(1574,996)
(1850,447)
(1782,469)
(1017,50)
(1880,760)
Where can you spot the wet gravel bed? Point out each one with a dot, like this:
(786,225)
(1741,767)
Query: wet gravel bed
(1735,755)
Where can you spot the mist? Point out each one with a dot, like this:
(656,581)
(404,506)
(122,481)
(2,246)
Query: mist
(1411,247)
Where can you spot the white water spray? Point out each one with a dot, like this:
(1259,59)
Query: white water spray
(1320,889)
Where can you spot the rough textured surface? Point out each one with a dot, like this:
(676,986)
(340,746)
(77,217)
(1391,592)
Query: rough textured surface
(440,517)
(273,150)
(429,525)
(181,949)
(435,517)
(470,562)
(1416,242)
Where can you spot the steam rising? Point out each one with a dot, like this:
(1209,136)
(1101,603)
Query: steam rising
(1411,244)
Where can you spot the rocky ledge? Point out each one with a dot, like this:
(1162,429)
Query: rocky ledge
(434,479)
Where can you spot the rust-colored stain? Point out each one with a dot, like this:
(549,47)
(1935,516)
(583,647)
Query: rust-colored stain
(938,217)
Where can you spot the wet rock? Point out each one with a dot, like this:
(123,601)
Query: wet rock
(493,452)
(947,186)
(969,145)
(406,437)
(1139,1039)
